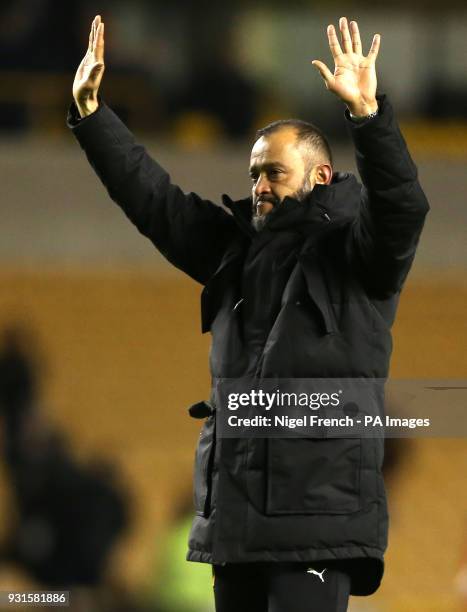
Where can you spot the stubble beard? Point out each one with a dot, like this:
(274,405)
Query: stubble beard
(259,221)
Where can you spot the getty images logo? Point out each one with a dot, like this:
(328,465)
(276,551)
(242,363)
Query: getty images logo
(320,574)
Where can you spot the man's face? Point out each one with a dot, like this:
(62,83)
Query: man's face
(277,169)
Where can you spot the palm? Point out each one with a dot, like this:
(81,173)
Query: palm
(354,77)
(89,74)
(86,80)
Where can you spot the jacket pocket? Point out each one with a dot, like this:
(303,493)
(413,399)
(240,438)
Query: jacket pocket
(202,478)
(313,475)
(318,292)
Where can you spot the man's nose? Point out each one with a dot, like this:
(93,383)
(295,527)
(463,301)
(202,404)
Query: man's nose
(262,186)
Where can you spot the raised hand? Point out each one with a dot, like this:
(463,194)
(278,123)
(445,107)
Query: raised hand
(354,77)
(90,72)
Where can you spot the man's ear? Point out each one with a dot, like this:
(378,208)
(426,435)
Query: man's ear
(323,174)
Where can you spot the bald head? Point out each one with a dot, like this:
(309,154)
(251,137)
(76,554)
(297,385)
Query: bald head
(309,138)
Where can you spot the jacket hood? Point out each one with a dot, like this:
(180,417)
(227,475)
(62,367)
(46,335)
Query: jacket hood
(337,202)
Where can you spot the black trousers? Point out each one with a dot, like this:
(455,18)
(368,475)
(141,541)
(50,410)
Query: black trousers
(281,587)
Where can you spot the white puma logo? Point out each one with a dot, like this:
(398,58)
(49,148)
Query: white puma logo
(320,574)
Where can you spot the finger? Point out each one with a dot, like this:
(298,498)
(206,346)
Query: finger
(97,20)
(93,33)
(91,36)
(345,34)
(324,72)
(333,42)
(356,40)
(95,23)
(99,49)
(373,53)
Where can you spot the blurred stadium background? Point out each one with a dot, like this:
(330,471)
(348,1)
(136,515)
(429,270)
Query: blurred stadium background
(105,334)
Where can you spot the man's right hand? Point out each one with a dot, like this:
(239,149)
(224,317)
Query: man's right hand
(90,72)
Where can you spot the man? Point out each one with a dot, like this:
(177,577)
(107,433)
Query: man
(301,280)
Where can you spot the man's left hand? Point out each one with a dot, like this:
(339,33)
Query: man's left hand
(354,78)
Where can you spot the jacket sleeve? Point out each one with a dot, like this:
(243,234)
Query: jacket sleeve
(393,206)
(190,232)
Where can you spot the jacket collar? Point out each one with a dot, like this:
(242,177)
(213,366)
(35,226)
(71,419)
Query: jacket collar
(338,202)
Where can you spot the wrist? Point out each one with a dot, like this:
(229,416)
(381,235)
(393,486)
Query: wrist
(87,107)
(361,109)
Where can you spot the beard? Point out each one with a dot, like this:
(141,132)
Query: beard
(259,221)
(303,190)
